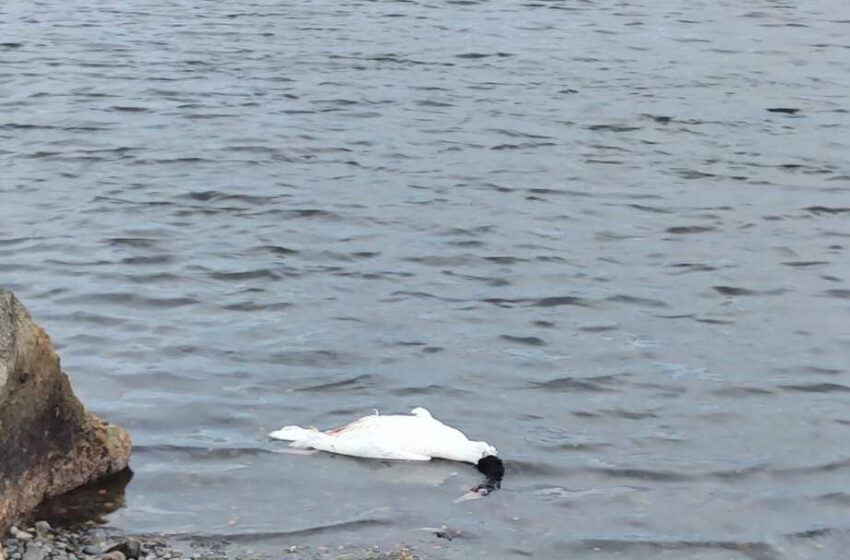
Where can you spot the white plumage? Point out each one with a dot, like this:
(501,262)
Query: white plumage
(415,437)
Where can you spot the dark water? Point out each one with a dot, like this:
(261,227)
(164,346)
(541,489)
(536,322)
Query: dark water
(610,238)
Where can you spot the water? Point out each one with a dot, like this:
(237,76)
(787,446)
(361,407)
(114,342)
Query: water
(609,238)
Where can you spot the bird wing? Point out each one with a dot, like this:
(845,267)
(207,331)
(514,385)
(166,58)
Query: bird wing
(365,447)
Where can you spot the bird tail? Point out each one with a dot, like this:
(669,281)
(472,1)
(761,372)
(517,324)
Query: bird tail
(297,435)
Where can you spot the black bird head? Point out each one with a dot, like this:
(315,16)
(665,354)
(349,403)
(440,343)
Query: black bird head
(494,469)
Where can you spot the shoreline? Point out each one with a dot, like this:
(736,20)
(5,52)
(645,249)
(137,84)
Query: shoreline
(40,541)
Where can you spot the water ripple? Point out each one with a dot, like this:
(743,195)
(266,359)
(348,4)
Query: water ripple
(590,234)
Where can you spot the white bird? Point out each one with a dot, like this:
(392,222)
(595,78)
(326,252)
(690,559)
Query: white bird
(415,437)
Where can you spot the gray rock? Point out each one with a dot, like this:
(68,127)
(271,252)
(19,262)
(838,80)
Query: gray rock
(20,535)
(50,443)
(114,555)
(34,552)
(131,548)
(42,528)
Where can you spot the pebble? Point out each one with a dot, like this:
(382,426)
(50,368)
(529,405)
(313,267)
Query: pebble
(90,543)
(20,535)
(34,552)
(131,548)
(42,528)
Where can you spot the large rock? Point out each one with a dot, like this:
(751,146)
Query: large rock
(49,443)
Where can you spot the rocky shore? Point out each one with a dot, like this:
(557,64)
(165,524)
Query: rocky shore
(52,447)
(43,542)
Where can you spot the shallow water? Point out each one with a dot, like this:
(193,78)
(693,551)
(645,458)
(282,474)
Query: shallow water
(607,237)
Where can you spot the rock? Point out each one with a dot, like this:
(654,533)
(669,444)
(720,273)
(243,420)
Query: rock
(131,548)
(50,443)
(34,552)
(2,556)
(42,528)
(114,555)
(20,535)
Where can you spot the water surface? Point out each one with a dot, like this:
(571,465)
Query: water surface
(607,237)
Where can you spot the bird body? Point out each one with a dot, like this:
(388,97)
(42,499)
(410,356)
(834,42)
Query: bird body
(414,437)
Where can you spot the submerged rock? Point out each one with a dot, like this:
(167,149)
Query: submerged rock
(50,443)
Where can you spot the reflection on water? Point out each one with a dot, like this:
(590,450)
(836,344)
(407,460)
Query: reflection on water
(608,238)
(90,503)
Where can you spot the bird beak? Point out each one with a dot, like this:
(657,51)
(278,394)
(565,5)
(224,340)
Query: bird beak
(468,496)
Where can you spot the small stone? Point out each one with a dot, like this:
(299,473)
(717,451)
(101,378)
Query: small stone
(114,555)
(42,528)
(134,548)
(34,552)
(20,535)
(131,548)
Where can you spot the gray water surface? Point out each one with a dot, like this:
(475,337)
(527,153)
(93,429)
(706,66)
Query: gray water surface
(609,238)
